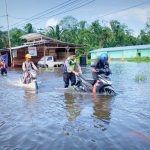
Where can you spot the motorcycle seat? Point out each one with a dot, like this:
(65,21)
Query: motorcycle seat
(90,80)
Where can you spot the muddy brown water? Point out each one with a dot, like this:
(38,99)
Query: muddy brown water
(58,119)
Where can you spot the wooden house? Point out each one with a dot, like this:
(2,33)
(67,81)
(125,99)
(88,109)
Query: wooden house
(38,46)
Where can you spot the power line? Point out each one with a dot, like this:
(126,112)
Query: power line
(10,16)
(124,9)
(65,11)
(71,9)
(69,4)
(64,4)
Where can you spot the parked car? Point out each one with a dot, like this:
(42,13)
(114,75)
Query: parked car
(49,61)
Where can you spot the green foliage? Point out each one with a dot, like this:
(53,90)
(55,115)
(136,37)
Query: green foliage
(92,35)
(139,59)
(28,28)
(3,39)
(54,32)
(15,37)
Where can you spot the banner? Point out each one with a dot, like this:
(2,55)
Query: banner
(5,58)
(14,53)
(32,51)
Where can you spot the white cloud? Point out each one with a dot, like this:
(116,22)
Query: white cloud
(139,14)
(134,18)
(52,22)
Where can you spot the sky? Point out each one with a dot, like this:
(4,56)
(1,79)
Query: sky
(42,13)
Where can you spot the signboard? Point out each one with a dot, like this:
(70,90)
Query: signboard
(32,51)
(5,58)
(14,53)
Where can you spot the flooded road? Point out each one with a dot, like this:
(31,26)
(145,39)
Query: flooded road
(57,119)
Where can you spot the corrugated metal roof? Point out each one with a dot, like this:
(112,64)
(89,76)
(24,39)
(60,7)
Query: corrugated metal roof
(4,50)
(33,36)
(43,40)
(122,48)
(17,47)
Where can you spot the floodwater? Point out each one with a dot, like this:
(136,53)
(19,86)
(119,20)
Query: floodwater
(57,119)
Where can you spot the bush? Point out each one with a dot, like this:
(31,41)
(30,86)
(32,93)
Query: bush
(139,59)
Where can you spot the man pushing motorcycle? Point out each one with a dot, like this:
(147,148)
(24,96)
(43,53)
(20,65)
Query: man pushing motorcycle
(70,71)
(28,67)
(101,66)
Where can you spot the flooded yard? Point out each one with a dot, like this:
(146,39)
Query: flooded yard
(57,119)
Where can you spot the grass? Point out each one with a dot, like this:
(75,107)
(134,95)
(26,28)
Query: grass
(89,61)
(140,77)
(139,59)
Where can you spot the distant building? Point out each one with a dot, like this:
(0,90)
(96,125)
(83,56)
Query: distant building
(38,46)
(121,53)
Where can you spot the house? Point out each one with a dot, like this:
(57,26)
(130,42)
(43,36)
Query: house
(122,53)
(38,46)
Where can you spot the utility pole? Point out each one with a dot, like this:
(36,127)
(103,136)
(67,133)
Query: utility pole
(9,41)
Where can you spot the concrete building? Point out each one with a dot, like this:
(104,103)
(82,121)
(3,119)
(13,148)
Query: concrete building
(122,53)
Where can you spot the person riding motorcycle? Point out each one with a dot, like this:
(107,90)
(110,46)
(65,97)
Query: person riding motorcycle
(101,66)
(69,71)
(27,67)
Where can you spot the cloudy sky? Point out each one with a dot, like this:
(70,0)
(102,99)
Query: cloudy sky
(41,13)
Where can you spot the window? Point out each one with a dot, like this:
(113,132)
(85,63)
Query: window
(49,58)
(139,54)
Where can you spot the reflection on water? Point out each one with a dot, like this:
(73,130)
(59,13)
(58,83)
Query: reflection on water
(102,107)
(73,108)
(102,110)
(30,95)
(59,119)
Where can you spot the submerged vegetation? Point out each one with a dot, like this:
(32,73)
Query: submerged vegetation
(139,59)
(140,77)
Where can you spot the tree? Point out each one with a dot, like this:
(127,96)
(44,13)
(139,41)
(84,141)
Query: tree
(28,28)
(3,39)
(54,32)
(69,26)
(106,37)
(119,32)
(68,23)
(95,33)
(15,36)
(144,37)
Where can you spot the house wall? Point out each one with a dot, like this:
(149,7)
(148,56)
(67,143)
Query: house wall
(115,54)
(130,53)
(59,53)
(21,56)
(144,52)
(122,53)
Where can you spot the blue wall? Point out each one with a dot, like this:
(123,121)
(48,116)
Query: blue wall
(117,54)
(144,53)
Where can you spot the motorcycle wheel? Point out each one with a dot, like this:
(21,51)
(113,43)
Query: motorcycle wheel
(108,91)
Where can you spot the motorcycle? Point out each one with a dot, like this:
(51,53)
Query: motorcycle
(104,85)
(30,79)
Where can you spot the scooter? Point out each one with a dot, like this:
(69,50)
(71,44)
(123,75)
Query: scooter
(104,85)
(30,80)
